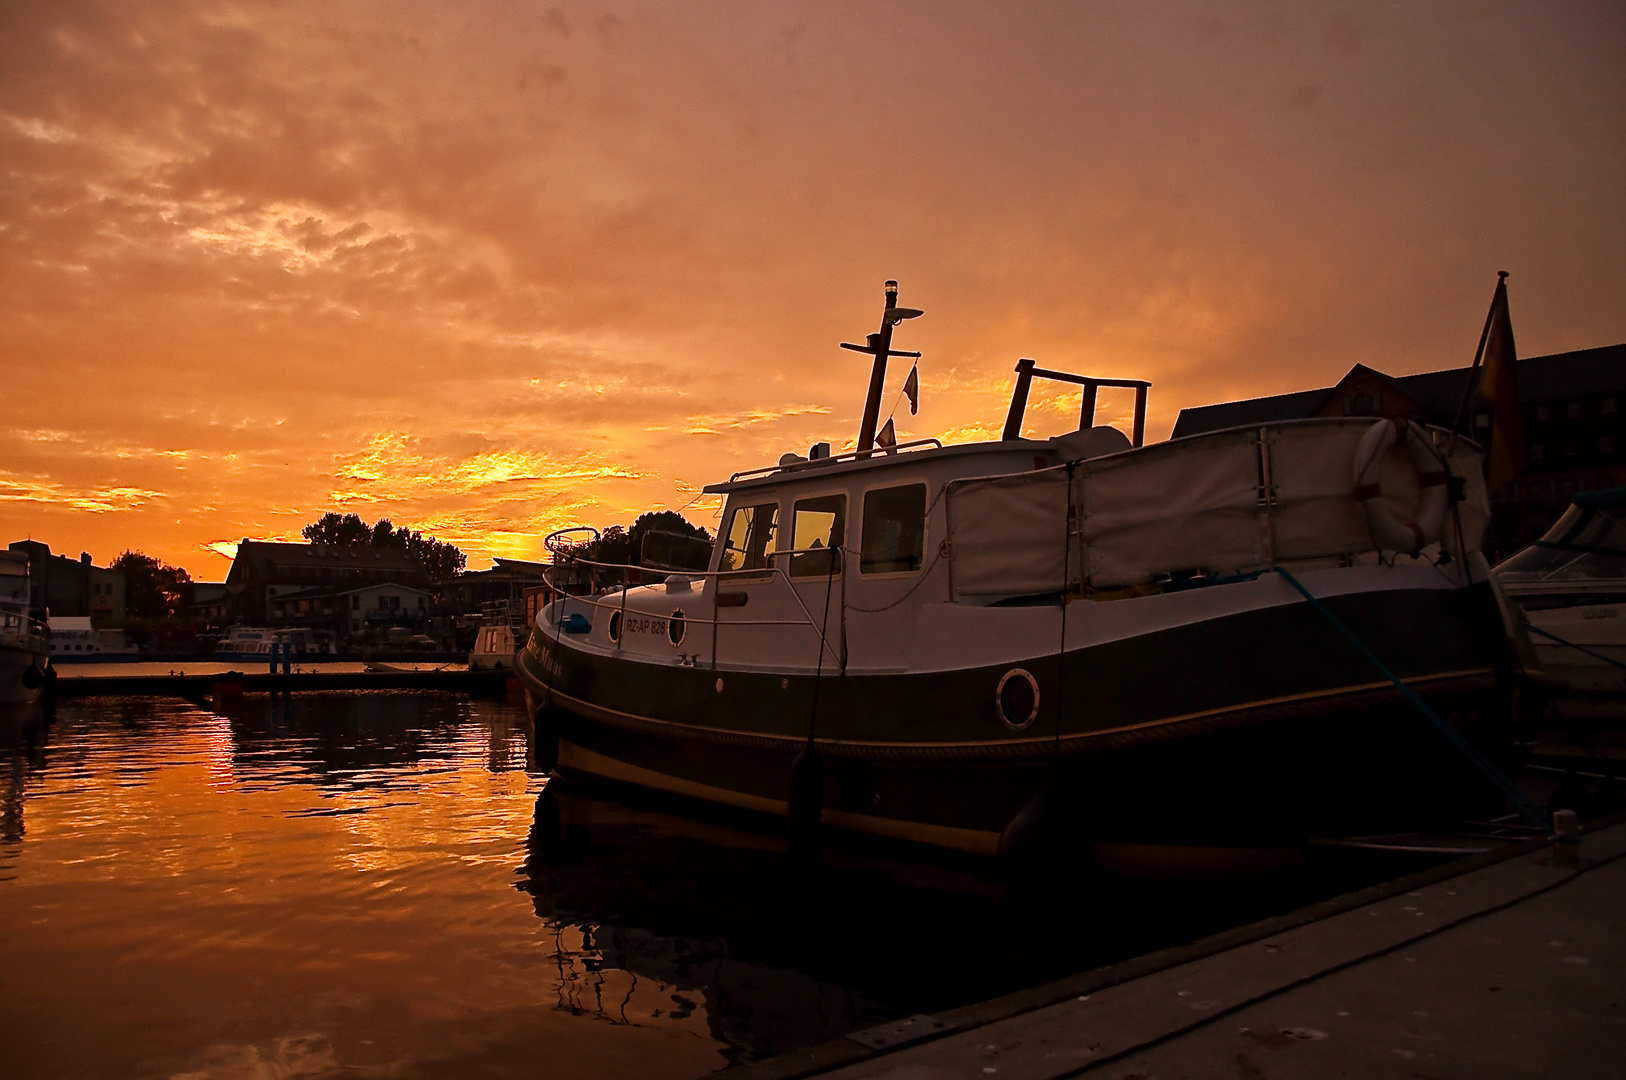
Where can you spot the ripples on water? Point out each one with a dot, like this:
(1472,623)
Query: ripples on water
(373,883)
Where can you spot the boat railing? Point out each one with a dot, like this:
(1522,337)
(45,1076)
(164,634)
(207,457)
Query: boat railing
(617,600)
(850,455)
(17,623)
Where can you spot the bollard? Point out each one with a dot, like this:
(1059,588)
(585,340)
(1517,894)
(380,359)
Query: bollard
(1566,838)
(276,647)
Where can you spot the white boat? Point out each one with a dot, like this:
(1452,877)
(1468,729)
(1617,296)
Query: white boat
(1146,649)
(499,637)
(256,645)
(75,641)
(1571,584)
(25,655)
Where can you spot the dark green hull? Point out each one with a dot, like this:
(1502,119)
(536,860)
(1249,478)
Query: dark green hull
(1258,728)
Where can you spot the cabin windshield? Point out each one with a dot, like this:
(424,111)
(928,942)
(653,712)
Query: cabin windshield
(749,536)
(894,534)
(1586,543)
(818,523)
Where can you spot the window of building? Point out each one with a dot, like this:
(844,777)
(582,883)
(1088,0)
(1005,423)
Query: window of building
(355,603)
(1569,449)
(1606,444)
(1574,410)
(1543,414)
(749,537)
(1607,406)
(1482,421)
(894,533)
(817,523)
(1538,452)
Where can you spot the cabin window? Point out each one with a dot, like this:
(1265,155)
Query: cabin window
(894,537)
(749,537)
(819,524)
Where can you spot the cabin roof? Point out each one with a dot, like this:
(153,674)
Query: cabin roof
(819,472)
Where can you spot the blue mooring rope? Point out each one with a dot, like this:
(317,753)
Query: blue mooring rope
(1529,809)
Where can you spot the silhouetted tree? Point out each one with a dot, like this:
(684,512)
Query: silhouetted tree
(440,560)
(152,589)
(663,537)
(346,532)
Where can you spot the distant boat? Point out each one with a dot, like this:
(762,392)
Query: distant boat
(1145,649)
(75,641)
(253,644)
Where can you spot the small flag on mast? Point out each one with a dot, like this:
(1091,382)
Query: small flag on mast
(911,389)
(887,437)
(1497,383)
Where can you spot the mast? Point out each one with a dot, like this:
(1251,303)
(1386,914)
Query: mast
(880,346)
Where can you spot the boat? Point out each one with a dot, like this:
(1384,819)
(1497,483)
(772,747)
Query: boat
(75,641)
(1571,586)
(1217,646)
(254,644)
(499,636)
(25,652)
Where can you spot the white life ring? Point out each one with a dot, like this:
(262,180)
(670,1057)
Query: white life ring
(1388,532)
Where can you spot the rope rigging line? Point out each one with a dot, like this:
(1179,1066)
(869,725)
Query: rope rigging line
(1578,648)
(1515,795)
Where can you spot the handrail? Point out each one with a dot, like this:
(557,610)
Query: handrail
(849,455)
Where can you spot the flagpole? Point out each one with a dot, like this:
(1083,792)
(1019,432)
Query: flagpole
(1479,354)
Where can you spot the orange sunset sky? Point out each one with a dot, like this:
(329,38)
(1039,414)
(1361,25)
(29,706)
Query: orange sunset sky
(492,268)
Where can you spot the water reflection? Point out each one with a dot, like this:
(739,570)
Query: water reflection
(315,884)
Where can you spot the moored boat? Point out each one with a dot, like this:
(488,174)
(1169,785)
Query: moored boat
(254,644)
(75,641)
(1571,585)
(25,652)
(500,634)
(1128,646)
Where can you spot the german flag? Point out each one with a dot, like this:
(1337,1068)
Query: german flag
(1497,384)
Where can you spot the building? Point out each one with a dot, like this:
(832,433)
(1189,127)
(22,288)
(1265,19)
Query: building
(381,607)
(210,603)
(265,570)
(68,587)
(1571,404)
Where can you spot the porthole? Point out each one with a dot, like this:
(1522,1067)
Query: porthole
(615,626)
(675,627)
(1017,699)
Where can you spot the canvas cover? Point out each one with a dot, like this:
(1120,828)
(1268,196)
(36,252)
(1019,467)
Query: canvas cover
(1008,534)
(1225,502)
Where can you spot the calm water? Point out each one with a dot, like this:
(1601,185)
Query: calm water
(374,884)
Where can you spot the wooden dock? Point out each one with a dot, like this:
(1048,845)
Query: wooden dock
(1511,964)
(202,687)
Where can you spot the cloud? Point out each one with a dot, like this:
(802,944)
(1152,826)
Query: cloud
(15,489)
(499,268)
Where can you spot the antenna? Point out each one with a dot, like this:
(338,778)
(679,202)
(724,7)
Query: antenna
(879,345)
